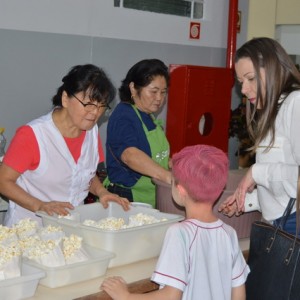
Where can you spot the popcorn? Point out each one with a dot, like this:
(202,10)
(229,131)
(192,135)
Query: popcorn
(141,219)
(26,227)
(28,243)
(112,223)
(8,235)
(10,262)
(47,246)
(47,253)
(72,249)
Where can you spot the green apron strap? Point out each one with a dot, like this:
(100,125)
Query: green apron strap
(144,189)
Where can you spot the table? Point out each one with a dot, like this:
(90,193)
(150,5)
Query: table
(139,287)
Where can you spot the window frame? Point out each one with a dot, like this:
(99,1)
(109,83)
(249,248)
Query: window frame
(196,9)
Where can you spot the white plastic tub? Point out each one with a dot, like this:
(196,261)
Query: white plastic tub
(131,244)
(23,286)
(64,275)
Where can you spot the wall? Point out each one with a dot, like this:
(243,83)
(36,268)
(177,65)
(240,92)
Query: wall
(265,15)
(287,12)
(261,18)
(99,18)
(279,19)
(41,40)
(288,26)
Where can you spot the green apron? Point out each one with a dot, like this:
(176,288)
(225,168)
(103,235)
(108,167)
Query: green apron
(144,189)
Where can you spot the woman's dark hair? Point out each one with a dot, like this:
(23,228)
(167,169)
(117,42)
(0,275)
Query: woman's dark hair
(141,74)
(90,80)
(282,78)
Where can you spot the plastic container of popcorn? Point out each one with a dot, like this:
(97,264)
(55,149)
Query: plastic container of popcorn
(95,266)
(23,286)
(129,244)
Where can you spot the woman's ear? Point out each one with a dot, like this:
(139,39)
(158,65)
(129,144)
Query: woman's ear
(64,99)
(132,89)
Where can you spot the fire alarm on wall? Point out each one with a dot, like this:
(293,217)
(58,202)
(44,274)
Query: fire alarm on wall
(194,30)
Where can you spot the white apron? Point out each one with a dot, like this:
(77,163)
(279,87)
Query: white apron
(58,177)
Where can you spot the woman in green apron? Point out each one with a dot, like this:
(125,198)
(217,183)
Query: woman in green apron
(137,149)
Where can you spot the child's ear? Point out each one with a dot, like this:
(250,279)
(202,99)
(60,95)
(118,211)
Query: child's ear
(181,190)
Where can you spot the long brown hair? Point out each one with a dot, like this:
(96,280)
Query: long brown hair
(282,78)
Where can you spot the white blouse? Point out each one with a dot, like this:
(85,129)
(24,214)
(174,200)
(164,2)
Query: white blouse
(276,171)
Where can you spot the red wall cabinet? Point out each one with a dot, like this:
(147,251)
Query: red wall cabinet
(199,103)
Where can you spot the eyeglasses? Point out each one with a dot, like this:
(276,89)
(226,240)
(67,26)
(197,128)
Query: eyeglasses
(91,106)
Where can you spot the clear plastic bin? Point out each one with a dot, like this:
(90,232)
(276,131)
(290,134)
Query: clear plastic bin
(95,266)
(23,286)
(131,244)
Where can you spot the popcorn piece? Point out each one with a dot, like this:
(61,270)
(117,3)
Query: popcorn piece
(10,262)
(73,250)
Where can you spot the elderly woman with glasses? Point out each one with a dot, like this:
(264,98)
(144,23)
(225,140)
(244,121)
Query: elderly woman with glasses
(51,162)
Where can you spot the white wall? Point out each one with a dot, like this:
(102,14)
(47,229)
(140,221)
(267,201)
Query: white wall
(100,18)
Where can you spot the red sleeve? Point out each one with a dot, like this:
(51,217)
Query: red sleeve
(23,152)
(100,150)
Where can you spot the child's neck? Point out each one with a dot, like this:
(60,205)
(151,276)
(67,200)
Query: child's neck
(201,211)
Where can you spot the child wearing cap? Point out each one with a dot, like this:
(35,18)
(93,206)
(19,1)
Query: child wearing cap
(200,257)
